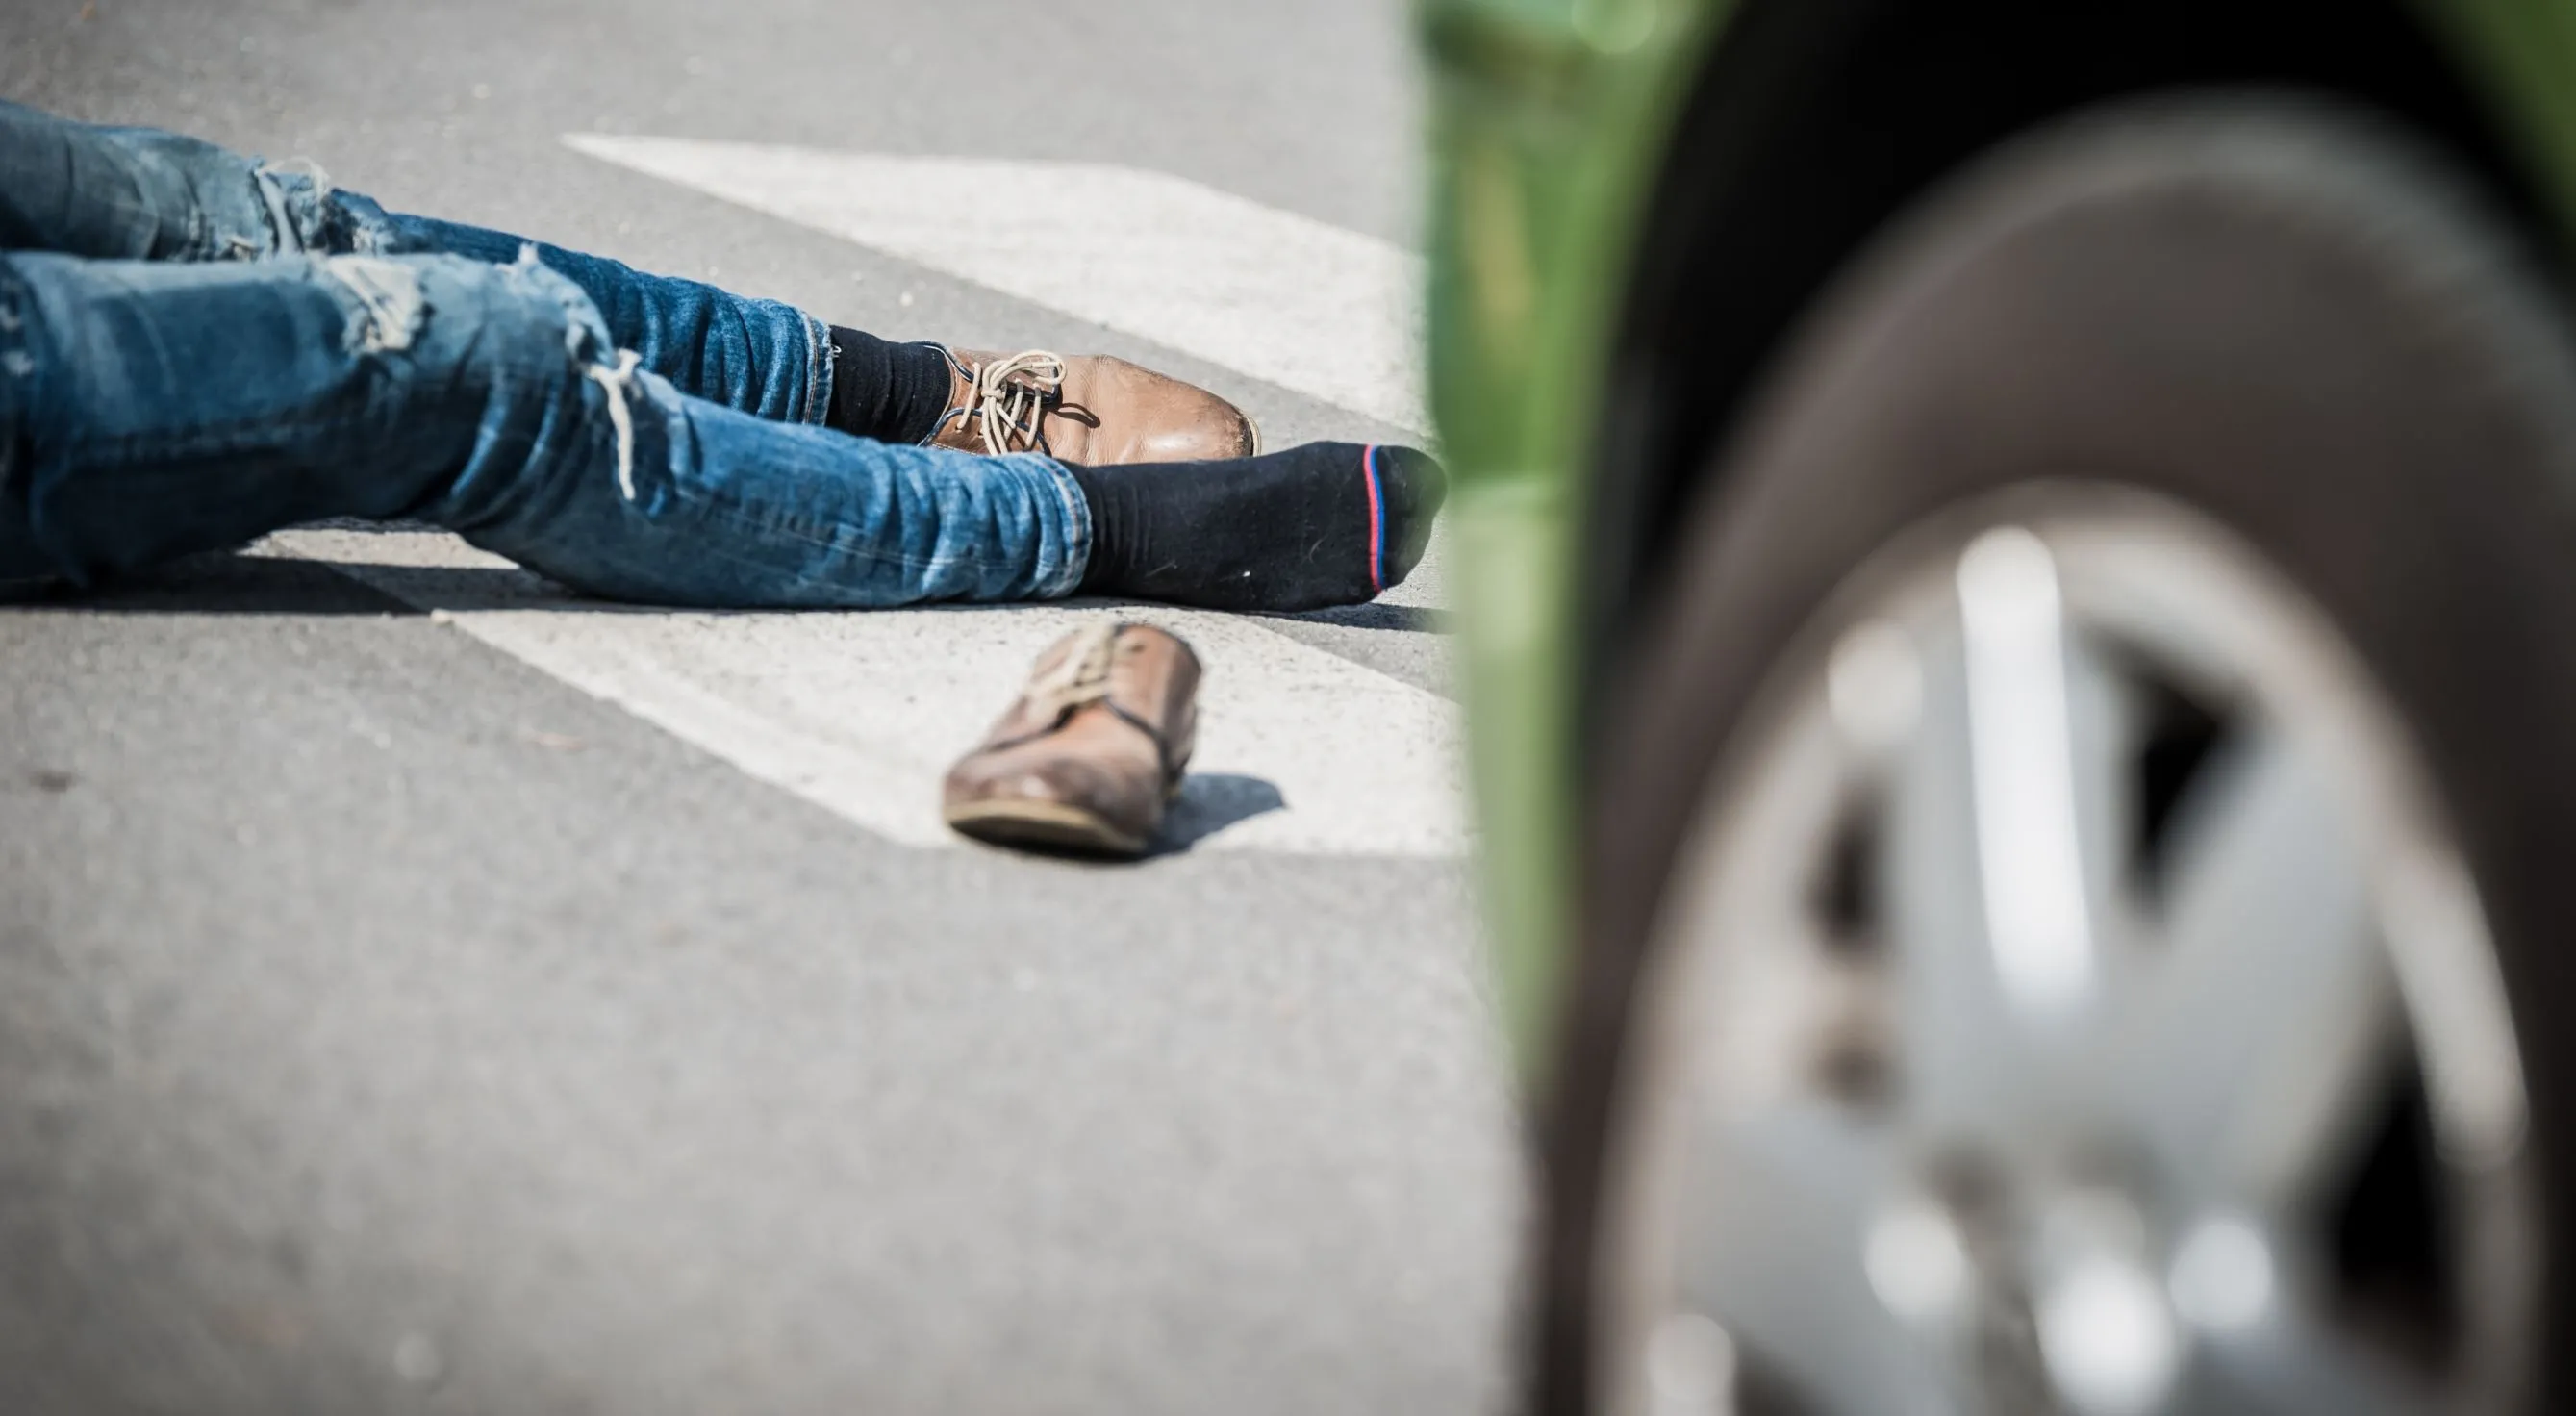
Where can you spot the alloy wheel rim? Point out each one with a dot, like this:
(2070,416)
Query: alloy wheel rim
(2069,947)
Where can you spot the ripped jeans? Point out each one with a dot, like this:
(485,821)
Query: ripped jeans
(196,349)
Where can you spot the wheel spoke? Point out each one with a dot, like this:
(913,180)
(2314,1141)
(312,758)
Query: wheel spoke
(1781,1211)
(1957,1026)
(2021,756)
(2000,868)
(2252,1039)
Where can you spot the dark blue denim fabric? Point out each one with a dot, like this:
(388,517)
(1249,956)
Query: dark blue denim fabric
(196,349)
(150,409)
(143,194)
(760,356)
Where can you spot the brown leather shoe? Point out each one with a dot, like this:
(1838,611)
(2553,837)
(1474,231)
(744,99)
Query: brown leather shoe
(1091,409)
(1093,750)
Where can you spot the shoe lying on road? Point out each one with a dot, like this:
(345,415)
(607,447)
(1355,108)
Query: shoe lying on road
(1092,751)
(1091,409)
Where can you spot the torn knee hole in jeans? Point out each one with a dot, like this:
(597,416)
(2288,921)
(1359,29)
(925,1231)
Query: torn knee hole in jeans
(585,341)
(619,380)
(298,193)
(303,167)
(390,307)
(584,332)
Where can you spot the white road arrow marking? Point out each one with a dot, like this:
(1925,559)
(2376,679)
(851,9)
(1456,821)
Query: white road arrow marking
(1284,298)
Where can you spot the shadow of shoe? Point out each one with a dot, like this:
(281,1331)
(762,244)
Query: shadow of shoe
(1376,614)
(1210,802)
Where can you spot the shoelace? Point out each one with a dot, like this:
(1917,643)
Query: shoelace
(1078,679)
(1007,399)
(1075,682)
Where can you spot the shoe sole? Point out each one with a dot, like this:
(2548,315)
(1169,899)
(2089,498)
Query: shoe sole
(1047,824)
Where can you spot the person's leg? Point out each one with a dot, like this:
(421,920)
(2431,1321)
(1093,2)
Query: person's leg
(763,357)
(150,410)
(143,194)
(146,195)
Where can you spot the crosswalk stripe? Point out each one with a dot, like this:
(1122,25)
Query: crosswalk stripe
(861,713)
(1296,302)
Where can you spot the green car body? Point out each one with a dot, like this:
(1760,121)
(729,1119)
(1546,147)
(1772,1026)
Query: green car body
(1553,127)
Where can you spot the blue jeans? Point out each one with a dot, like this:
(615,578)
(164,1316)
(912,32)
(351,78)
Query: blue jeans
(196,348)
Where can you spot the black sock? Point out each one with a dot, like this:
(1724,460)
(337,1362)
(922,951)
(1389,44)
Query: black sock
(1323,524)
(891,392)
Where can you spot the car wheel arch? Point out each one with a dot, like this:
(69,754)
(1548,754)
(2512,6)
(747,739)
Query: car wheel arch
(1812,122)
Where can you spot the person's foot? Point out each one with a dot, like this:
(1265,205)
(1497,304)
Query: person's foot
(1313,526)
(1091,752)
(1089,409)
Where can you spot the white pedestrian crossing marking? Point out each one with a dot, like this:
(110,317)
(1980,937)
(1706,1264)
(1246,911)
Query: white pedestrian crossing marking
(1299,750)
(1284,298)
(861,713)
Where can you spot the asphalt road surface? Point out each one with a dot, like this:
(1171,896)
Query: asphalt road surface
(421,989)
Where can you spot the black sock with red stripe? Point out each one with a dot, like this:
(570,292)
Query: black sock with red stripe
(1324,524)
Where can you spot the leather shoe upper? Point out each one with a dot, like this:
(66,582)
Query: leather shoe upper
(1093,409)
(1093,748)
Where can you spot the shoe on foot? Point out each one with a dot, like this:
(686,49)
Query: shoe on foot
(1093,750)
(1089,409)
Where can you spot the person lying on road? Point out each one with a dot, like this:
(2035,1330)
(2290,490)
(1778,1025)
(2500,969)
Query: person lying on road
(197,348)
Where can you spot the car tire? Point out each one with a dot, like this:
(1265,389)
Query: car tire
(2286,318)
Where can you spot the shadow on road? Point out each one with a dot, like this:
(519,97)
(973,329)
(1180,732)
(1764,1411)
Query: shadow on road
(219,583)
(1377,614)
(1209,803)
